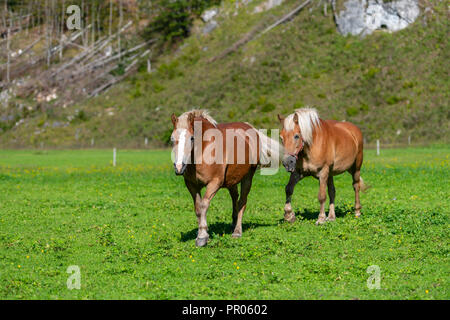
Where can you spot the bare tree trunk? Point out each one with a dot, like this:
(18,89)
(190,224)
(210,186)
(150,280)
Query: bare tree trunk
(4,19)
(54,17)
(120,26)
(93,25)
(333,7)
(48,31)
(61,42)
(9,55)
(33,21)
(287,17)
(88,22)
(19,20)
(5,12)
(99,21)
(137,20)
(110,18)
(84,23)
(29,17)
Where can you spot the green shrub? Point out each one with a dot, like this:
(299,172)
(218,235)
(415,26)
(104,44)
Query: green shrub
(371,73)
(80,116)
(364,107)
(352,111)
(268,107)
(170,71)
(393,100)
(174,19)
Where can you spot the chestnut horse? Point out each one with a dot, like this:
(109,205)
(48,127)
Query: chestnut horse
(190,135)
(322,149)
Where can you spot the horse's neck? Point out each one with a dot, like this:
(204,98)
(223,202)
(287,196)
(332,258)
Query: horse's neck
(197,172)
(318,136)
(206,125)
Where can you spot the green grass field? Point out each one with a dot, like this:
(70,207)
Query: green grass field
(131,230)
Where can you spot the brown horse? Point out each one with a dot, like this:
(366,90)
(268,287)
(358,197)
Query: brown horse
(322,149)
(225,165)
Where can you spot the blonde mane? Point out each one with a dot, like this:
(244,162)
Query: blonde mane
(197,113)
(308,120)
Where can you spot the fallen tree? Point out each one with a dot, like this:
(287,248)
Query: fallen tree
(255,33)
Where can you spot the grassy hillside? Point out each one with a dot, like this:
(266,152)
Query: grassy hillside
(391,85)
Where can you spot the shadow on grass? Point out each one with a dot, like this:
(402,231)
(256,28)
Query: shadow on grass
(313,215)
(221,228)
(307,214)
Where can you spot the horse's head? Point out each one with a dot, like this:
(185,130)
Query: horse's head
(291,137)
(183,141)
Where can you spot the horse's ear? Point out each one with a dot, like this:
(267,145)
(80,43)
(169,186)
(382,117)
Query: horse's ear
(174,120)
(296,118)
(281,119)
(191,120)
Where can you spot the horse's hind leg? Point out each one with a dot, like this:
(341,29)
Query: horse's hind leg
(356,187)
(356,175)
(331,194)
(289,215)
(234,198)
(246,185)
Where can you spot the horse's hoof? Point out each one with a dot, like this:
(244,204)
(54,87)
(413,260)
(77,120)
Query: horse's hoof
(201,242)
(320,222)
(331,219)
(236,235)
(289,218)
(357,215)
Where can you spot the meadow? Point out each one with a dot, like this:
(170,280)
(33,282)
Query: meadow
(131,229)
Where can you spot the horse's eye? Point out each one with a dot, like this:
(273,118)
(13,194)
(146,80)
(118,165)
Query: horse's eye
(192,138)
(296,137)
(172,139)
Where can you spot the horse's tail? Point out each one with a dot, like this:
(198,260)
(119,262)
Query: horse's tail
(270,150)
(362,186)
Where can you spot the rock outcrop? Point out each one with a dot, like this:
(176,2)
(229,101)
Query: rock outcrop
(362,17)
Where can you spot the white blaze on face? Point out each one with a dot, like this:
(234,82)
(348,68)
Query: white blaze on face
(180,150)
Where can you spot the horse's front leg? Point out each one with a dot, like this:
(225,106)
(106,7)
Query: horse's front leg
(289,215)
(357,187)
(194,190)
(203,236)
(323,179)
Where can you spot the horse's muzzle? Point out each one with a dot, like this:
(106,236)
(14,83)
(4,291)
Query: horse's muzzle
(179,168)
(289,162)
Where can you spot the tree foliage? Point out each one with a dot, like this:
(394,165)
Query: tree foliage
(174,18)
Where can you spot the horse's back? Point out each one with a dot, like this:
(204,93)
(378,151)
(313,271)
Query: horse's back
(239,160)
(345,130)
(348,144)
(233,125)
